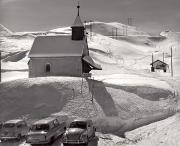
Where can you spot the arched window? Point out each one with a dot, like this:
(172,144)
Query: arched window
(48,67)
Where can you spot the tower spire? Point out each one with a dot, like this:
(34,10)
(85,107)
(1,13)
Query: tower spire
(78,6)
(77,27)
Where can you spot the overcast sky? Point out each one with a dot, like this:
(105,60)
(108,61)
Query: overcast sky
(33,15)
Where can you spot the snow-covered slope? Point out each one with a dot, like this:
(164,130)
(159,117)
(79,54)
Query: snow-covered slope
(66,30)
(123,103)
(126,95)
(122,29)
(165,132)
(172,41)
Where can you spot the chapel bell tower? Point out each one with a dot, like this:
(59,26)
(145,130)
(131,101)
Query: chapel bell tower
(78,28)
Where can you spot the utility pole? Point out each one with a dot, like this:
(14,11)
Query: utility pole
(85,24)
(90,27)
(85,27)
(130,21)
(152,67)
(91,22)
(112,33)
(163,56)
(122,30)
(126,30)
(0,65)
(116,33)
(171,62)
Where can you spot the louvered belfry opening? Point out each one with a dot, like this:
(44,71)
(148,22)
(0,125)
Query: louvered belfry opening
(77,33)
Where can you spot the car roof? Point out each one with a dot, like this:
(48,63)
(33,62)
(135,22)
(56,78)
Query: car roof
(14,121)
(45,121)
(81,120)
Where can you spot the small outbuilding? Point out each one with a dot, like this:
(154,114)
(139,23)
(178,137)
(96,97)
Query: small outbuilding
(158,64)
(62,55)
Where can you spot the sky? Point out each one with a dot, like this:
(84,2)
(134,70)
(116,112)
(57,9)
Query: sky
(151,16)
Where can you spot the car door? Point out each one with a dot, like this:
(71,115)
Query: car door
(51,131)
(18,129)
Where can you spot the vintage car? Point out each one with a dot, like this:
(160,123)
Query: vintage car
(45,131)
(80,131)
(14,129)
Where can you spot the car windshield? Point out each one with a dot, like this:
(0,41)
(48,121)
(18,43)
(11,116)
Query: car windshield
(40,127)
(9,125)
(78,124)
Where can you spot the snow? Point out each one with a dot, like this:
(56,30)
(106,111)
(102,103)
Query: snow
(20,65)
(106,29)
(133,80)
(162,133)
(126,94)
(118,46)
(11,44)
(14,75)
(62,30)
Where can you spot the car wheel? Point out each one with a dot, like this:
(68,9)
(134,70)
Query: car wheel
(86,144)
(52,140)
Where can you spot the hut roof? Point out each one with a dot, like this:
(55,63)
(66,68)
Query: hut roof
(159,62)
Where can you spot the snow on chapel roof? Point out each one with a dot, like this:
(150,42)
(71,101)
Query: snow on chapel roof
(56,46)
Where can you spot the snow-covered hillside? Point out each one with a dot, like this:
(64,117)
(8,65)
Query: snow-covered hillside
(122,29)
(126,95)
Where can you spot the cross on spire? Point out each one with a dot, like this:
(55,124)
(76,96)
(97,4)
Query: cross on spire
(78,8)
